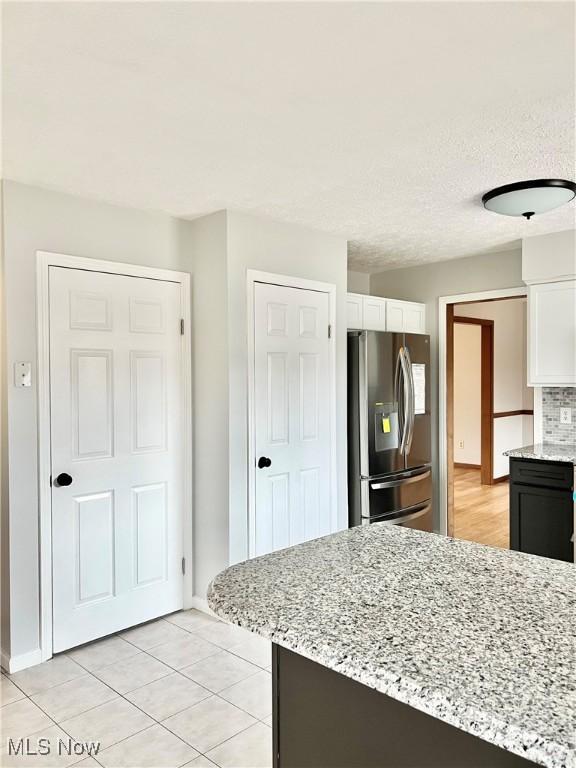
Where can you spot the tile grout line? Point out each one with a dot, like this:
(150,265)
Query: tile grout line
(93,674)
(195,633)
(155,721)
(205,754)
(234,736)
(220,649)
(211,692)
(162,723)
(122,693)
(60,724)
(56,723)
(84,711)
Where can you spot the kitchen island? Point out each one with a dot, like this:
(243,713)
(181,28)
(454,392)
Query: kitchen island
(396,647)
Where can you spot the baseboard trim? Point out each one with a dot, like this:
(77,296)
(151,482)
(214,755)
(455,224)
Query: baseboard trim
(460,465)
(201,604)
(13,664)
(503,479)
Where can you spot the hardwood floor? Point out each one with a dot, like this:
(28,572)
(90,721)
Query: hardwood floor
(480,511)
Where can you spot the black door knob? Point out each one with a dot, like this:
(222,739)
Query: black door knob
(63,479)
(263,461)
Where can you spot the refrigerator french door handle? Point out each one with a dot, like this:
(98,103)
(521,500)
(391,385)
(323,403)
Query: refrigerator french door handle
(400,481)
(399,392)
(405,368)
(411,409)
(363,403)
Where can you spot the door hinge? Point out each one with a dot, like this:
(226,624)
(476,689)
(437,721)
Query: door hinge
(329,331)
(183,565)
(182,327)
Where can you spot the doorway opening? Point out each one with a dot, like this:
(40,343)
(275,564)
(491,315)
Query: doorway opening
(489,409)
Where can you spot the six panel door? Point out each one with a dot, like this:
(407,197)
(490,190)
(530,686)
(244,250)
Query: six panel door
(292,416)
(116,430)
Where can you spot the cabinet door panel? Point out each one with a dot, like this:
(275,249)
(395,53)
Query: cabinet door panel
(541,521)
(374,310)
(552,334)
(354,312)
(414,319)
(406,316)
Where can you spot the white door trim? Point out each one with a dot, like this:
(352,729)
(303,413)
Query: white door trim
(255,276)
(443,301)
(45,260)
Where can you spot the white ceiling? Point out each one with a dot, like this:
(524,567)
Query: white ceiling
(382,122)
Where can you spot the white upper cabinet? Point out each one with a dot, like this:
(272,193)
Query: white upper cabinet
(552,334)
(374,313)
(407,316)
(549,268)
(354,311)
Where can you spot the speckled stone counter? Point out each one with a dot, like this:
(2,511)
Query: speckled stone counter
(481,638)
(545,452)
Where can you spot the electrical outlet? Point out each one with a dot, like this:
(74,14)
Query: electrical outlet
(565,415)
(461,444)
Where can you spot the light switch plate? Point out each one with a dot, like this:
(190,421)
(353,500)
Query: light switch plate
(565,415)
(22,374)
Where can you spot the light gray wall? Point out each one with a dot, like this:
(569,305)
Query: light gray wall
(217,250)
(428,282)
(36,219)
(205,241)
(285,249)
(4,517)
(358,282)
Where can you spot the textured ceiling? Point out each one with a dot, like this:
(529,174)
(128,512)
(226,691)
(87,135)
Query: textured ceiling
(381,122)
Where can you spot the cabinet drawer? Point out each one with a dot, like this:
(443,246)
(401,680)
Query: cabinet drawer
(546,474)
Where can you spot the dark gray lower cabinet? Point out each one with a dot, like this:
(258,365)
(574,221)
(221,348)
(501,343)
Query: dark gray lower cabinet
(322,719)
(542,508)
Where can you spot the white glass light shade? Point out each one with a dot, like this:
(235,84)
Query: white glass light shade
(529,198)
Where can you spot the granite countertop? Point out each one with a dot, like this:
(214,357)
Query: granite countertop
(545,452)
(478,637)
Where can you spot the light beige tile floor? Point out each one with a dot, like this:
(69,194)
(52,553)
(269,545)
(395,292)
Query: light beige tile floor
(185,690)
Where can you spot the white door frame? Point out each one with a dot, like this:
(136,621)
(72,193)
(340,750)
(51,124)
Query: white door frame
(252,277)
(443,301)
(45,260)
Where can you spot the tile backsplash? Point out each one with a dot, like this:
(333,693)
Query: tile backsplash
(554,398)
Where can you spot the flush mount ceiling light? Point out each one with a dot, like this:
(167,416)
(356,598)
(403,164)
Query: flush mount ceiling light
(526,198)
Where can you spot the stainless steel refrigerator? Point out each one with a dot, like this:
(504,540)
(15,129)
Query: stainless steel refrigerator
(389,431)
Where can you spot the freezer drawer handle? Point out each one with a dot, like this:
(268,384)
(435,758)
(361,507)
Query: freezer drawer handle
(401,481)
(398,517)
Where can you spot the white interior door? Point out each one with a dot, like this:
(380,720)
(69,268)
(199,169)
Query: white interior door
(292,400)
(116,431)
